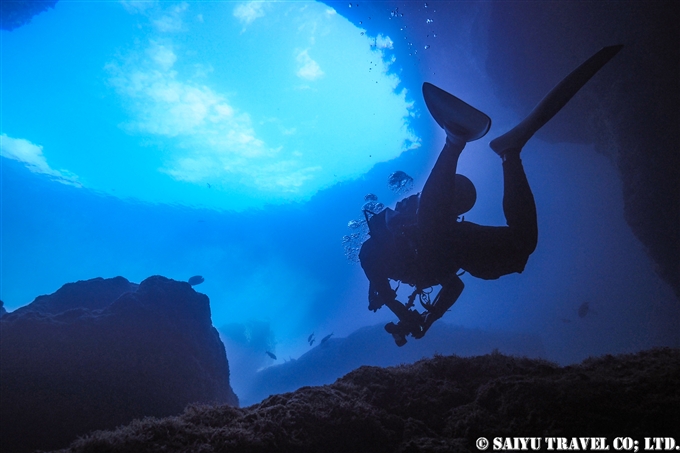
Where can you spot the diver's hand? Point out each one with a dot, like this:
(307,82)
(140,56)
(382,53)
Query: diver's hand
(375,305)
(375,301)
(378,298)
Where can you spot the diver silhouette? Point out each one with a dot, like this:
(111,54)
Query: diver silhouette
(424,243)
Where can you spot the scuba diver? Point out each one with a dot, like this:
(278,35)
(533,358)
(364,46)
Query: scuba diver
(424,243)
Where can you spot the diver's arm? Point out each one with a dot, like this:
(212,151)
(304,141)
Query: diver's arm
(372,262)
(379,294)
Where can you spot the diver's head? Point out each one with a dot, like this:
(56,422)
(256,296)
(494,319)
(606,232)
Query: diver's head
(466,195)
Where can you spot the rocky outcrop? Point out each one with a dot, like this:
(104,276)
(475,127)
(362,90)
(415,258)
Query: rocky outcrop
(20,12)
(441,404)
(99,353)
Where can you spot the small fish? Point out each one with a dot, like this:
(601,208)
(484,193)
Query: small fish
(270,355)
(325,339)
(311,342)
(209,186)
(195,280)
(583,309)
(309,338)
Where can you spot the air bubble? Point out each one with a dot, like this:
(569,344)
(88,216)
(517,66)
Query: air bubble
(429,21)
(354,224)
(352,242)
(373,207)
(427,47)
(399,182)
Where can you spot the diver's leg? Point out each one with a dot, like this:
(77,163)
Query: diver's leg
(519,206)
(435,210)
(553,101)
(489,252)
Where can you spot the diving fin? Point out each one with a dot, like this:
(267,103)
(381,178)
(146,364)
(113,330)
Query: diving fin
(553,102)
(455,116)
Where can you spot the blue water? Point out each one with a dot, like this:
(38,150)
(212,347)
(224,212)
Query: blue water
(203,139)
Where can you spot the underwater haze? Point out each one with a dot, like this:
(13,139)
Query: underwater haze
(238,141)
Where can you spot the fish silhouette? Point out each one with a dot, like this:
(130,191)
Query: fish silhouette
(325,339)
(195,280)
(270,355)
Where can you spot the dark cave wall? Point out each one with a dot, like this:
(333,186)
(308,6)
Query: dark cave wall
(632,106)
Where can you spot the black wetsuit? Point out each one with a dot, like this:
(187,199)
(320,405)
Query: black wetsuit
(430,249)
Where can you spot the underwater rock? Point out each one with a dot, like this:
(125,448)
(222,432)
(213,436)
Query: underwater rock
(93,294)
(103,352)
(2,309)
(16,13)
(435,405)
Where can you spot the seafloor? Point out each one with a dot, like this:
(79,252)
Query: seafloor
(441,404)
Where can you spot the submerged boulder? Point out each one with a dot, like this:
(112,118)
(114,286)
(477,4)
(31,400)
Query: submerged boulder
(99,353)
